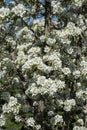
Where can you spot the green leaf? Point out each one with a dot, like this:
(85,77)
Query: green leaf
(76,117)
(10,125)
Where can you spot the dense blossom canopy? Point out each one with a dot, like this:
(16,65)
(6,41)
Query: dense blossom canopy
(43,68)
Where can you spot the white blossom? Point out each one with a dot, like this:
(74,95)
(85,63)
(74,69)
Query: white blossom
(70,50)
(81,94)
(83,65)
(54,60)
(42,38)
(2,74)
(78,2)
(38,24)
(15,80)
(47,49)
(21,58)
(79,128)
(71,29)
(4,12)
(76,74)
(45,86)
(30,122)
(80,121)
(38,127)
(68,104)
(66,70)
(2,120)
(11,106)
(18,118)
(19,10)
(57,8)
(58,119)
(51,41)
(50,113)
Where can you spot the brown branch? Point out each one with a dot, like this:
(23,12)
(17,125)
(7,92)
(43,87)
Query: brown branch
(47,16)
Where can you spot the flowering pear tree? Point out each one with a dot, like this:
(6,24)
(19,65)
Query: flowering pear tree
(43,65)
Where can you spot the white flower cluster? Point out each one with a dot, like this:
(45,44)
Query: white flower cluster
(66,71)
(81,21)
(76,74)
(69,104)
(32,90)
(83,65)
(38,127)
(80,122)
(79,128)
(30,122)
(34,51)
(21,58)
(11,106)
(27,59)
(69,30)
(50,113)
(56,7)
(78,2)
(5,63)
(11,41)
(2,74)
(2,120)
(45,86)
(53,59)
(51,41)
(4,12)
(43,38)
(38,25)
(33,9)
(60,102)
(70,50)
(58,119)
(47,49)
(18,118)
(24,46)
(25,33)
(19,10)
(81,94)
(35,62)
